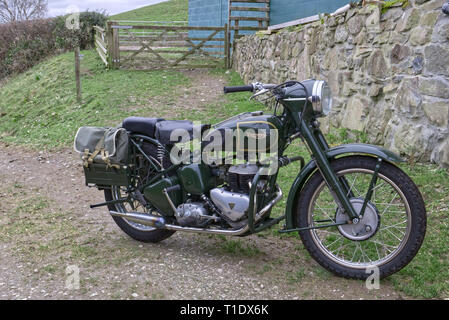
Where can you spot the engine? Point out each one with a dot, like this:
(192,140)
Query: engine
(228,203)
(233,199)
(215,195)
(239,178)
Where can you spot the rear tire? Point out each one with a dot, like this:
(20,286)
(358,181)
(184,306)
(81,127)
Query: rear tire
(138,232)
(399,235)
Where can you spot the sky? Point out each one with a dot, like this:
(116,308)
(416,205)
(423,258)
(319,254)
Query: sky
(60,7)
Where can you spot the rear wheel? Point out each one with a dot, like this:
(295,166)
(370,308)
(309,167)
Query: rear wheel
(388,236)
(135,230)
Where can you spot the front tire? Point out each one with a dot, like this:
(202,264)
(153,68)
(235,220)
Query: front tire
(396,205)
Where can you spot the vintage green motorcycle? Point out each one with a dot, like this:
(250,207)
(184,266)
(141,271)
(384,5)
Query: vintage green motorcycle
(353,208)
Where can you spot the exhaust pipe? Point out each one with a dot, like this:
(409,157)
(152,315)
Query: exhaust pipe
(270,205)
(145,219)
(159,222)
(237,232)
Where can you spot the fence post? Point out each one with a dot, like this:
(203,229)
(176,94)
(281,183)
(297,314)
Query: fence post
(113,45)
(116,48)
(226,45)
(110,44)
(77,74)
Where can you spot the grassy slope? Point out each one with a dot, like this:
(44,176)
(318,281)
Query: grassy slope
(38,108)
(173,10)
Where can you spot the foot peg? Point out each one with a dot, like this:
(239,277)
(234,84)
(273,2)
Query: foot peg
(104,204)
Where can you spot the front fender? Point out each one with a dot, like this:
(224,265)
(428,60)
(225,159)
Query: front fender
(332,153)
(365,149)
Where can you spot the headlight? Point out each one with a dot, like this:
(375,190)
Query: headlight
(321,98)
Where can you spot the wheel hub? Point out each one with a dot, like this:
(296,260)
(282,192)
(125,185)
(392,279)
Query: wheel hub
(366,227)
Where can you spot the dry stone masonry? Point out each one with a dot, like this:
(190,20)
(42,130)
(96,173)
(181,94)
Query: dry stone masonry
(389,72)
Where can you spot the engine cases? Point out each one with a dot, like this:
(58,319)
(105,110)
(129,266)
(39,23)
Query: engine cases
(154,194)
(192,214)
(196,179)
(232,205)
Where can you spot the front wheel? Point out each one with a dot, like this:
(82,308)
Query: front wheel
(387,237)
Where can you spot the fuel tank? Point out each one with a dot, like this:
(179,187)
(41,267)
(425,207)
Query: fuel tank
(247,132)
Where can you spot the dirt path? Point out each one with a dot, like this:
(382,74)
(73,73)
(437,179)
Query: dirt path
(48,233)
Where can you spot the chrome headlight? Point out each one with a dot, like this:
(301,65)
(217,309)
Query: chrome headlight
(321,98)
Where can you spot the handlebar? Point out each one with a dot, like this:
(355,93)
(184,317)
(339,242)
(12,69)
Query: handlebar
(249,88)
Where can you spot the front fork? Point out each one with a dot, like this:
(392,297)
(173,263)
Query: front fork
(339,187)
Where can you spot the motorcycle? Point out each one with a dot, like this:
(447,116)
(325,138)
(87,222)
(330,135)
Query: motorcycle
(352,206)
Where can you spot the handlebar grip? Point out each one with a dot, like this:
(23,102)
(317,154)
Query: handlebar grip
(249,88)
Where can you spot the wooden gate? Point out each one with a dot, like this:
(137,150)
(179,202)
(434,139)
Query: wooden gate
(146,46)
(101,44)
(241,12)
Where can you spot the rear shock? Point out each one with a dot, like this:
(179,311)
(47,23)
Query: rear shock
(161,155)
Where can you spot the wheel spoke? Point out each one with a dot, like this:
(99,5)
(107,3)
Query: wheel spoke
(385,246)
(395,236)
(353,256)
(389,204)
(394,226)
(330,232)
(352,185)
(338,239)
(377,251)
(325,213)
(343,245)
(364,254)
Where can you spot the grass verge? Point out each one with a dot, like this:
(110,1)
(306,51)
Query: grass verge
(173,10)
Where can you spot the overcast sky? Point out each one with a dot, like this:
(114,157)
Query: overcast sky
(59,7)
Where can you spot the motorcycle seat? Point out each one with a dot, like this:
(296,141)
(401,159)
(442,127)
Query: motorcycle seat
(164,130)
(145,126)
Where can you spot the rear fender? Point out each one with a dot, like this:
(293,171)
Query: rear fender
(333,153)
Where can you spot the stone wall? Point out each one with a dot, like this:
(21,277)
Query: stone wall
(389,72)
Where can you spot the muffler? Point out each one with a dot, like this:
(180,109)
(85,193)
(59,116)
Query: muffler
(144,219)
